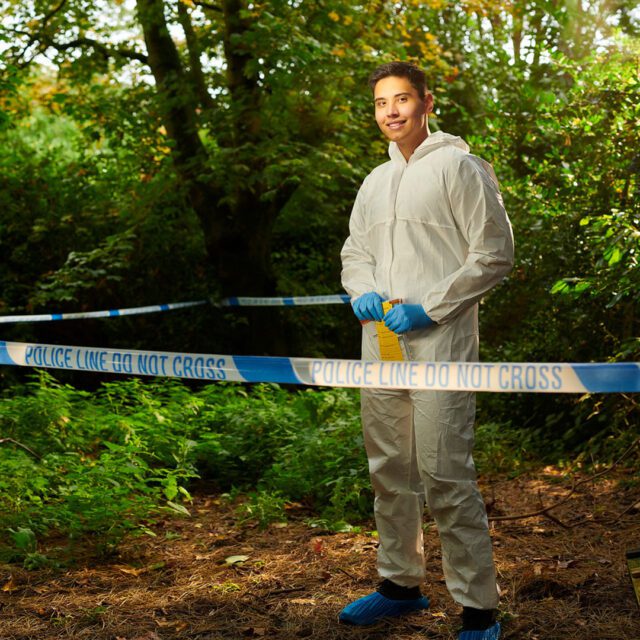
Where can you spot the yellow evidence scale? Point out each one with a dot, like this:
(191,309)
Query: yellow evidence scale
(388,340)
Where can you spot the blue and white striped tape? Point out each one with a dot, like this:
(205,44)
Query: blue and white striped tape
(451,376)
(108,313)
(225,302)
(300,301)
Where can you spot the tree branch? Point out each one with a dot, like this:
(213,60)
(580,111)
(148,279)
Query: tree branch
(48,41)
(208,5)
(98,46)
(35,36)
(23,446)
(193,49)
(52,13)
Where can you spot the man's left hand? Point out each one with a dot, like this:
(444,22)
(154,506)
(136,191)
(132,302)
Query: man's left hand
(407,317)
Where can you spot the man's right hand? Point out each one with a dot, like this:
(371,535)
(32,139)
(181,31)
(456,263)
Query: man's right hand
(368,307)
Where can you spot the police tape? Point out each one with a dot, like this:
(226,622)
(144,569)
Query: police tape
(156,308)
(451,376)
(108,313)
(299,301)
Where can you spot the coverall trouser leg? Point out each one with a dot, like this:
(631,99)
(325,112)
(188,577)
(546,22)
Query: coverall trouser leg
(419,444)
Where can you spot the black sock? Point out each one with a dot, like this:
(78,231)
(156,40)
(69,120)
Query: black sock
(477,619)
(394,591)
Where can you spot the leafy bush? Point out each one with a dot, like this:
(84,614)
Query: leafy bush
(86,464)
(106,463)
(502,449)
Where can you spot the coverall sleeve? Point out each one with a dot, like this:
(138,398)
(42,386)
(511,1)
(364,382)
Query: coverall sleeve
(478,210)
(358,263)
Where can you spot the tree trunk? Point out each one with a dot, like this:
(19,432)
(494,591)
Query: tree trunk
(238,226)
(178,102)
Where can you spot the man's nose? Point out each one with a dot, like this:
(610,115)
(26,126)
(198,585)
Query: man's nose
(392,110)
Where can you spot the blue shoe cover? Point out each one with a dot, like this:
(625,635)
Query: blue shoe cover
(375,606)
(492,633)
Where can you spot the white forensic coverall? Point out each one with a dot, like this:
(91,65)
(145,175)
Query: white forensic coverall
(431,231)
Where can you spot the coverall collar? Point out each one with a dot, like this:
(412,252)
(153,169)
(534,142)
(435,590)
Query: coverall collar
(431,142)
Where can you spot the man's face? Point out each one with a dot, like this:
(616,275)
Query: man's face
(400,112)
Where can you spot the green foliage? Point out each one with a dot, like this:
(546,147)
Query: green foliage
(304,447)
(263,508)
(110,462)
(570,181)
(502,449)
(84,270)
(86,467)
(325,462)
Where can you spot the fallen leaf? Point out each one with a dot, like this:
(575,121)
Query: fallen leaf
(131,571)
(302,601)
(253,631)
(11,585)
(231,560)
(566,564)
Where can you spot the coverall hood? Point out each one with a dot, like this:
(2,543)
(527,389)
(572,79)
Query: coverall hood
(431,143)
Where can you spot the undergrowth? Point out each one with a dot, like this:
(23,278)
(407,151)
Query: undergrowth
(114,461)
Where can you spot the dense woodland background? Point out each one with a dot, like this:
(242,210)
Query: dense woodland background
(166,150)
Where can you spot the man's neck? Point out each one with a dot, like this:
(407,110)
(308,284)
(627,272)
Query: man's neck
(409,147)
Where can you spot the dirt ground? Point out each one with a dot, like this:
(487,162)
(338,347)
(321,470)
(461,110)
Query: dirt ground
(562,576)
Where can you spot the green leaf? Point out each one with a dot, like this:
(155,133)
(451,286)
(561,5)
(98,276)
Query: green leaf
(24,539)
(178,508)
(560,287)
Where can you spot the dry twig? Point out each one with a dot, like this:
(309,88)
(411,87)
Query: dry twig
(23,446)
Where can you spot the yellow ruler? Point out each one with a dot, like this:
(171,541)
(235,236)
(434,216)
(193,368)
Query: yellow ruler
(388,340)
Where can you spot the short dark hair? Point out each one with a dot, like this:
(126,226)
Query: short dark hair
(408,70)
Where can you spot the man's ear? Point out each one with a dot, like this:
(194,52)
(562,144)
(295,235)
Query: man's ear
(428,102)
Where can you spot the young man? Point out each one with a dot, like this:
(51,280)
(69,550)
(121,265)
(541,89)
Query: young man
(428,228)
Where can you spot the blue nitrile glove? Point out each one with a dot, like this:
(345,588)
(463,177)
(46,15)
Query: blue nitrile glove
(368,307)
(407,317)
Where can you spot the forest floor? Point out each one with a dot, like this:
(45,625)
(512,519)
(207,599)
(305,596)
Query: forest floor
(563,575)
